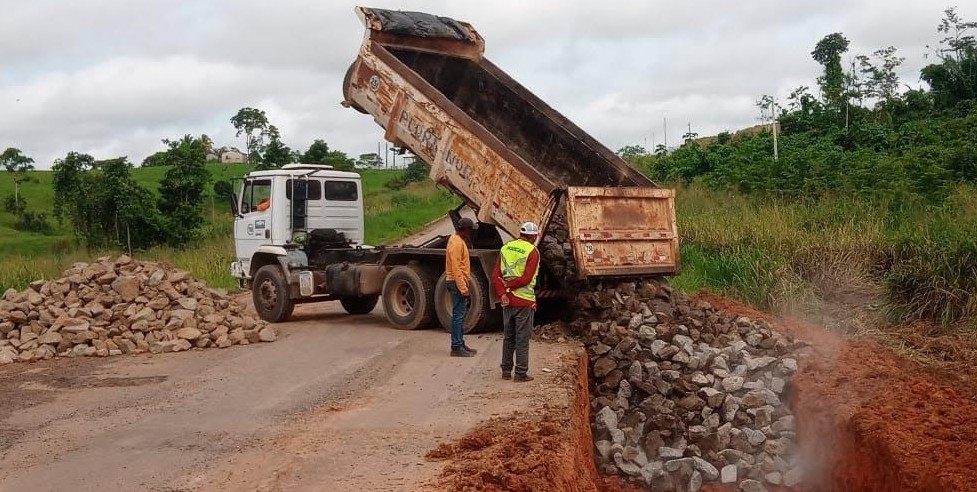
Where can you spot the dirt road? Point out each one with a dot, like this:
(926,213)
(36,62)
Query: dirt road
(337,403)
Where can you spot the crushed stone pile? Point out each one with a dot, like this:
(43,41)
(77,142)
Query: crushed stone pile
(556,251)
(121,306)
(684,394)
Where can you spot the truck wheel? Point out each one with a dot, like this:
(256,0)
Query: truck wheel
(270,293)
(481,317)
(359,305)
(408,297)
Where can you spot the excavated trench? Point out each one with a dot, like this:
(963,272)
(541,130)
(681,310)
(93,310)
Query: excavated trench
(865,422)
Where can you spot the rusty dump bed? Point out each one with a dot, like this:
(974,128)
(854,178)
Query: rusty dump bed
(509,155)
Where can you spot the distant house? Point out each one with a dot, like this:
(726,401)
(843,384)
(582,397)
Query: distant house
(228,156)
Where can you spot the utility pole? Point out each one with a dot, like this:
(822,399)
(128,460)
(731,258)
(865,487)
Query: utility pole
(773,111)
(665,125)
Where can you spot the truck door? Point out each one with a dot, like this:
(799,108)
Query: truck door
(252,227)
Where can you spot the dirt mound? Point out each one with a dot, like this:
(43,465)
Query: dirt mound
(869,420)
(118,307)
(520,453)
(870,423)
(538,451)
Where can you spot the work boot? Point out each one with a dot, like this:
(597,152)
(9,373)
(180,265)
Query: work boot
(522,379)
(506,375)
(462,353)
(470,349)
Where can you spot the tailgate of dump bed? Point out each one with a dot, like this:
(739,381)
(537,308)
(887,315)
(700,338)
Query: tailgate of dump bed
(623,231)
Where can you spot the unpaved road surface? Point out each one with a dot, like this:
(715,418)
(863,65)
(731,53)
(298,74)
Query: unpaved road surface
(337,403)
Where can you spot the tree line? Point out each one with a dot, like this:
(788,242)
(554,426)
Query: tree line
(860,133)
(104,206)
(265,148)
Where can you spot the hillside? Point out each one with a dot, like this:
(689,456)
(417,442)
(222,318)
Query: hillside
(28,256)
(865,220)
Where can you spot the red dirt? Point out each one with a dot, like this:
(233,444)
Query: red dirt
(869,420)
(550,450)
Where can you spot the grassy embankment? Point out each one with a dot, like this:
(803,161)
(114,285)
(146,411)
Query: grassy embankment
(910,261)
(25,256)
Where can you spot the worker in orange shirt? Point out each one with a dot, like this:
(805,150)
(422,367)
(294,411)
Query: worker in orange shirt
(514,280)
(264,204)
(458,274)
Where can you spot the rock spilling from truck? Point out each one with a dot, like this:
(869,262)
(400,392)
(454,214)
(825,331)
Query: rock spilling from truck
(121,306)
(685,394)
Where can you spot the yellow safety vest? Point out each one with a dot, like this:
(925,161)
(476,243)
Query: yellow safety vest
(514,256)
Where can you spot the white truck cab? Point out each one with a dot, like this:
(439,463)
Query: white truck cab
(276,208)
(298,238)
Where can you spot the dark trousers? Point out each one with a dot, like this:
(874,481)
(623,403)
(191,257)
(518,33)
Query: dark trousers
(459,309)
(517,327)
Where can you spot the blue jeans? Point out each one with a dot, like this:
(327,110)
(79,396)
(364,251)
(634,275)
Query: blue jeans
(459,309)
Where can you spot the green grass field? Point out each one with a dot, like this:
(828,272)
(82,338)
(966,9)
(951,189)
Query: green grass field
(915,260)
(389,215)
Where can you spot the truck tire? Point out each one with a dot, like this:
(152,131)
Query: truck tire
(359,305)
(270,294)
(408,297)
(481,317)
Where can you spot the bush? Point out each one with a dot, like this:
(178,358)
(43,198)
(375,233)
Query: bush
(14,205)
(28,221)
(223,189)
(416,171)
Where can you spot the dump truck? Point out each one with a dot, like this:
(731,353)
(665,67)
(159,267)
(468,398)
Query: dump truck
(508,156)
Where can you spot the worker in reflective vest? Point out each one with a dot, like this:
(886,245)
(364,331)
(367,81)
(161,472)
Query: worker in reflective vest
(514,279)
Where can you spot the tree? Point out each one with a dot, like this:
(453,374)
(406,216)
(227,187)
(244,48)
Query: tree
(881,80)
(223,189)
(416,171)
(768,108)
(954,79)
(631,153)
(68,182)
(252,123)
(828,53)
(124,209)
(103,203)
(208,143)
(182,189)
(319,153)
(369,161)
(16,163)
(800,99)
(276,153)
(156,159)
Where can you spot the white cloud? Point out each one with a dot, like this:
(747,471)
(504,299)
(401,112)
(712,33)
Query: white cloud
(113,77)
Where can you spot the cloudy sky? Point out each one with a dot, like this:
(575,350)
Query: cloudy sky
(113,77)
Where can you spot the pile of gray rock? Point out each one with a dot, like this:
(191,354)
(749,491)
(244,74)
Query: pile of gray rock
(556,250)
(121,306)
(684,394)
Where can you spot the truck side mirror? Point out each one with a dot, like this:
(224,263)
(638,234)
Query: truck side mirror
(234,208)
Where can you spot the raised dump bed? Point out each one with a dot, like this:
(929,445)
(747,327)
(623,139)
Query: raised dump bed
(509,155)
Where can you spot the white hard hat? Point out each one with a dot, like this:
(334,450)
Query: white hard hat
(530,229)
